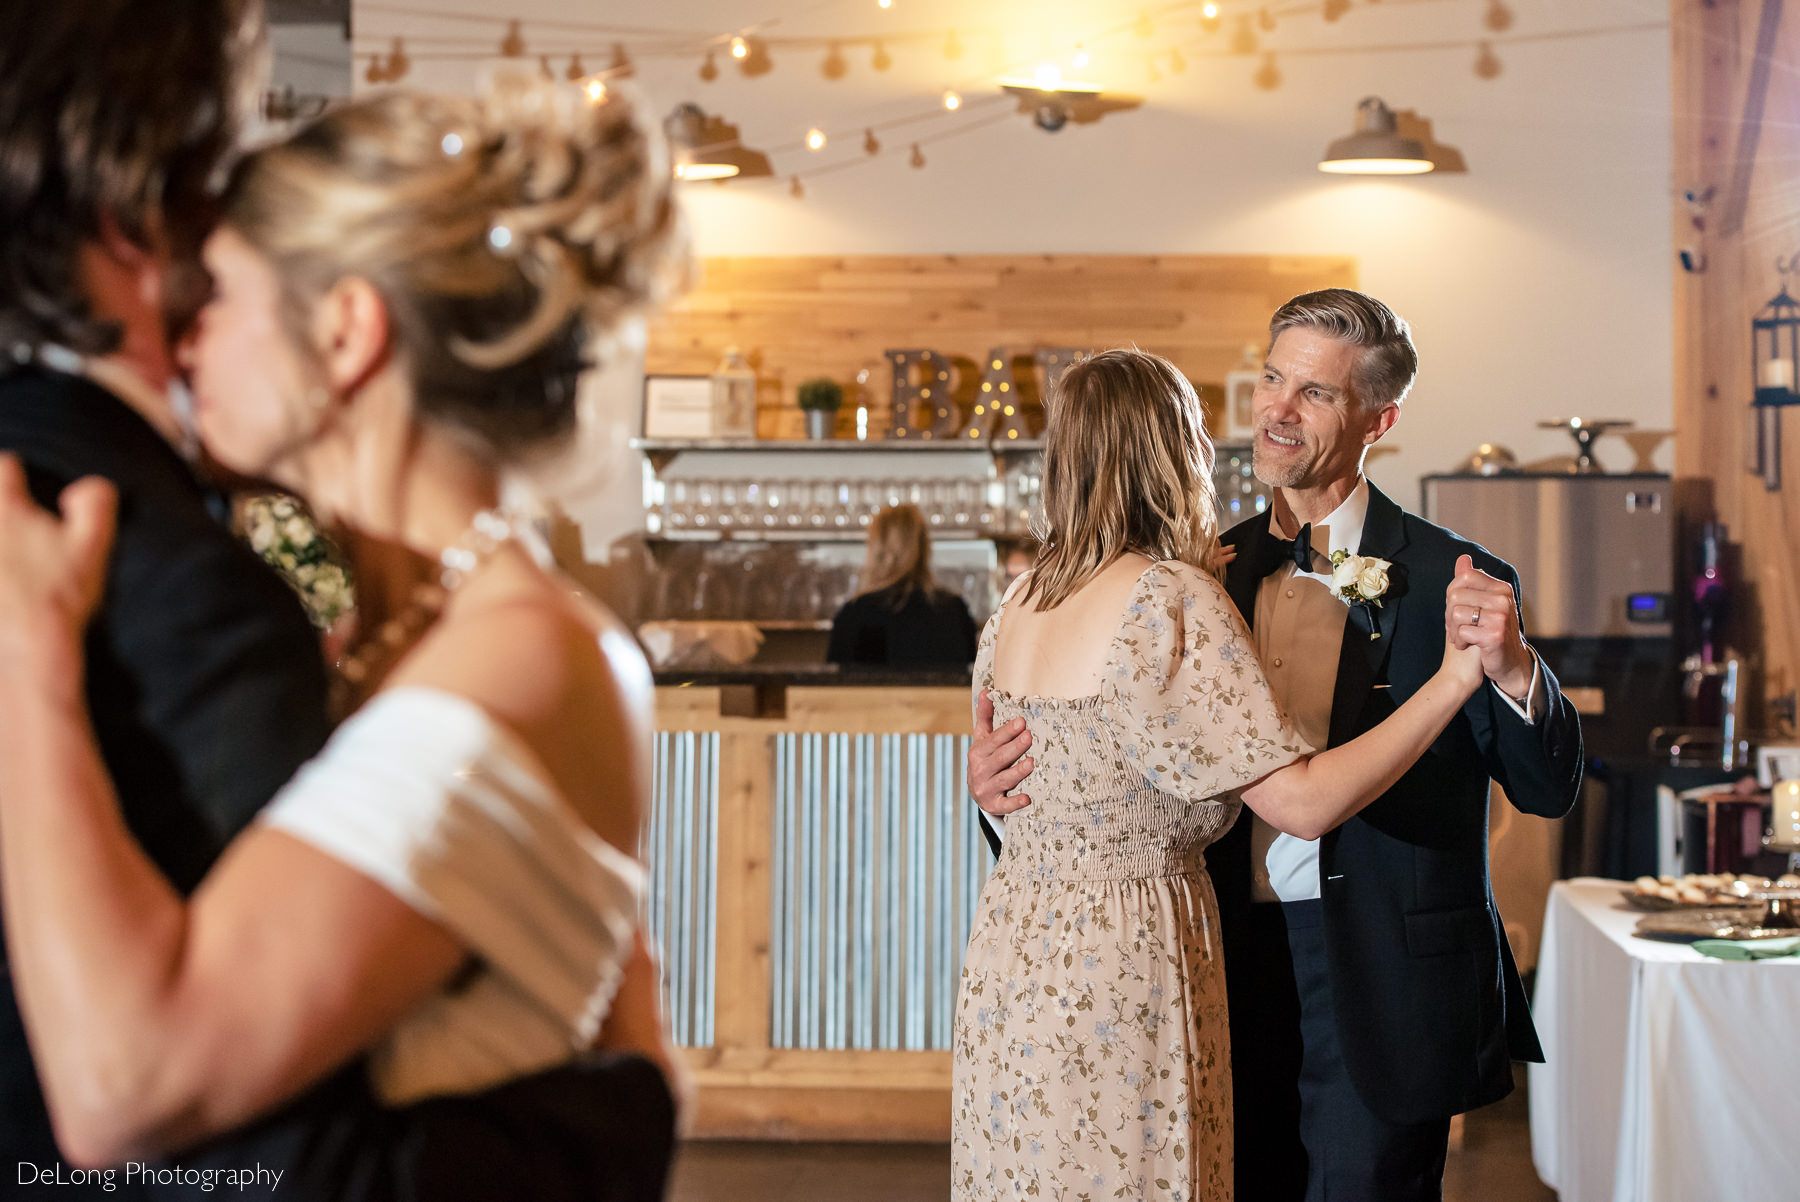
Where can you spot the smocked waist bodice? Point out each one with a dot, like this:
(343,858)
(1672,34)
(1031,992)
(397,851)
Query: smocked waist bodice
(1094,813)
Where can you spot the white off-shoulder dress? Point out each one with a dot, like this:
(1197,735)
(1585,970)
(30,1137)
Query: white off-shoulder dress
(424,793)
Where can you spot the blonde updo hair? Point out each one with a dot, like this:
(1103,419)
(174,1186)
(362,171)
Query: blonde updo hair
(503,235)
(1127,468)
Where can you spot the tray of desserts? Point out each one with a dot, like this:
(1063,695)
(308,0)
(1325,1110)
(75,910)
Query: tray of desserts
(1734,923)
(1704,891)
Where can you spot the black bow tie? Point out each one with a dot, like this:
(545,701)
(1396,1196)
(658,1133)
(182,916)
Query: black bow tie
(1277,551)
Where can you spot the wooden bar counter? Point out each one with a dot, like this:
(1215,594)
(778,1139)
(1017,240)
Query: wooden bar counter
(815,863)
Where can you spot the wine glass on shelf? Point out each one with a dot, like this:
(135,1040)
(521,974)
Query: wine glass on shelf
(750,505)
(729,515)
(677,509)
(706,504)
(870,496)
(963,504)
(990,511)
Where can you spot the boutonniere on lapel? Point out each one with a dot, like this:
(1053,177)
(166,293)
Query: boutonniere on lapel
(1360,580)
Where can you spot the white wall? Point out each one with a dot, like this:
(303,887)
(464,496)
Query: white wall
(1538,283)
(312,59)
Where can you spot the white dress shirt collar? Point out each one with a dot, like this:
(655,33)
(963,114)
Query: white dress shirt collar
(1342,528)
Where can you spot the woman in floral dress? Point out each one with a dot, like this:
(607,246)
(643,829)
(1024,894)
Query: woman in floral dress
(1091,1056)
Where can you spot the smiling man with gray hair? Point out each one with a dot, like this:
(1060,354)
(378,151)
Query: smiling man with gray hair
(1372,992)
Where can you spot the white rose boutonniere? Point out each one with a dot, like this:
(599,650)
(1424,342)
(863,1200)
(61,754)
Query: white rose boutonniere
(280,530)
(1360,580)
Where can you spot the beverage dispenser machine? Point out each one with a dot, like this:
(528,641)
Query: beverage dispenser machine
(1595,555)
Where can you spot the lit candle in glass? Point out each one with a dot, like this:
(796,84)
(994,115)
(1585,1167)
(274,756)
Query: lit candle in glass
(1784,825)
(1776,373)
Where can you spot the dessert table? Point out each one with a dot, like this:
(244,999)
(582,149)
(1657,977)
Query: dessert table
(1669,1077)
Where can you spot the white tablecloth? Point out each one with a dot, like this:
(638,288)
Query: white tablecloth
(1669,1077)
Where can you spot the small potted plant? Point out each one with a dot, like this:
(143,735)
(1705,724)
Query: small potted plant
(819,400)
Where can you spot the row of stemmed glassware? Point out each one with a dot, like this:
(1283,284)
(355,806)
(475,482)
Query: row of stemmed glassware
(746,508)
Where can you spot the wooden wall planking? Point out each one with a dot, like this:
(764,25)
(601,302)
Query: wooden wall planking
(1715,52)
(799,317)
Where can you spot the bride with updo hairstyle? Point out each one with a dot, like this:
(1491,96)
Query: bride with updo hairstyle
(421,973)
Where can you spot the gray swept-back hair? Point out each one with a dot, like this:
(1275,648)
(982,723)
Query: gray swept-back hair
(1389,364)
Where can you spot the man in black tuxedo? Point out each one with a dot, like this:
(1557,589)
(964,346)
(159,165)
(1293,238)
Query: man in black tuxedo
(205,680)
(1372,992)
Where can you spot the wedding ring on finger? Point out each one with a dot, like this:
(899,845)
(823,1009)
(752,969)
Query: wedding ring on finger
(1476,620)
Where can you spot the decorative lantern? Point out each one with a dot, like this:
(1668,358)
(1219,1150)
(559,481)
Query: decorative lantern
(1774,354)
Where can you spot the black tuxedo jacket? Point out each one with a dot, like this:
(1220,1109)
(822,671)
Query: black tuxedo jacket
(204,678)
(1430,1009)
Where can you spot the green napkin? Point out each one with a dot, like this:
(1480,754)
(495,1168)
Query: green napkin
(1761,949)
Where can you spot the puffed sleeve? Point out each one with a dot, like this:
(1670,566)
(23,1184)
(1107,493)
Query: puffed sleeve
(426,795)
(1186,693)
(982,673)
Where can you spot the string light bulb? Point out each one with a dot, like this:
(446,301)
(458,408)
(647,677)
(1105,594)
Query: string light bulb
(952,46)
(398,64)
(881,60)
(1266,19)
(1081,57)
(834,66)
(1048,77)
(621,62)
(1487,63)
(871,144)
(1210,20)
(375,73)
(1268,76)
(1243,41)
(1177,63)
(1335,9)
(754,59)
(1144,27)
(1498,17)
(795,190)
(513,44)
(917,159)
(576,70)
(952,101)
(596,91)
(884,3)
(709,70)
(815,138)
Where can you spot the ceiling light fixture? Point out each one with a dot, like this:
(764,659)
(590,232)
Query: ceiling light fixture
(1376,148)
(708,148)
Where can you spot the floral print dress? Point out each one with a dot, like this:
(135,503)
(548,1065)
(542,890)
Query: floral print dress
(1090,1043)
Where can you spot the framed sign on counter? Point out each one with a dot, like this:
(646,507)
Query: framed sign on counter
(678,407)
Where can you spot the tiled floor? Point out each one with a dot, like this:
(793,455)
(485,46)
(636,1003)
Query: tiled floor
(1494,1165)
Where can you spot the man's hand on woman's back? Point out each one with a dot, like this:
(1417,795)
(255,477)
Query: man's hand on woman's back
(997,761)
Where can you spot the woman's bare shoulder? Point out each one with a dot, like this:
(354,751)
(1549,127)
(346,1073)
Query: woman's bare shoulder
(528,648)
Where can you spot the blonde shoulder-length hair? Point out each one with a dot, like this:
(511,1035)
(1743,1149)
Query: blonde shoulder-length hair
(899,553)
(1127,468)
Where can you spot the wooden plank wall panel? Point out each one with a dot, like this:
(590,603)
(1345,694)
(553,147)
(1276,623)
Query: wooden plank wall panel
(1714,48)
(799,317)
